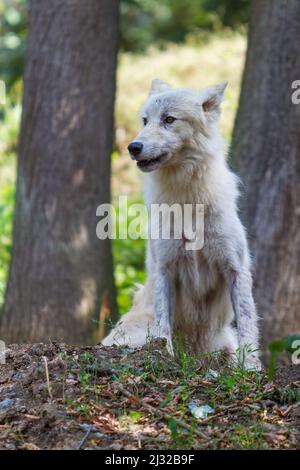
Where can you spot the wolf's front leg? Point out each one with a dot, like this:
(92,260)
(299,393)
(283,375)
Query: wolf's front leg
(164,307)
(240,281)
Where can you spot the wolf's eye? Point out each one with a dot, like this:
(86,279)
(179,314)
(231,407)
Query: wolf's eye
(169,119)
(145,121)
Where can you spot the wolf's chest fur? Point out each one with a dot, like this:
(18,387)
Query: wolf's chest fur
(202,299)
(194,269)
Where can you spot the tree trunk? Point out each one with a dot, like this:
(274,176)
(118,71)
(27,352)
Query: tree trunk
(266,149)
(61,277)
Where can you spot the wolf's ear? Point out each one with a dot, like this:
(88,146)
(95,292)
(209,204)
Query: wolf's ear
(158,86)
(213,97)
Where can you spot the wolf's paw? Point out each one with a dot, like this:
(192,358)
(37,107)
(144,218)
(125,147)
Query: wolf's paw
(165,334)
(250,361)
(170,347)
(253,363)
(247,359)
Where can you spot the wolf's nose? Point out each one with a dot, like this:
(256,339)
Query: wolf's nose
(135,148)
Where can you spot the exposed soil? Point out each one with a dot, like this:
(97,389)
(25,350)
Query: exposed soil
(116,398)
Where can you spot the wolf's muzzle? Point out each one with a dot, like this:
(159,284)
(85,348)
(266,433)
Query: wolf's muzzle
(135,148)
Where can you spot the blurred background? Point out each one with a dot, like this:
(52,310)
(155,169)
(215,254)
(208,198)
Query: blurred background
(186,43)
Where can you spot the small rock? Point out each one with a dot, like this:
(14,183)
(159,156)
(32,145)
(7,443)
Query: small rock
(7,403)
(10,446)
(211,374)
(200,412)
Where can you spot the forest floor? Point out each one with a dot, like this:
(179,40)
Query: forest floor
(54,396)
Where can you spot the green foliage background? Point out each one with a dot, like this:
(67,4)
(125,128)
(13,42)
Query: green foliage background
(144,23)
(153,22)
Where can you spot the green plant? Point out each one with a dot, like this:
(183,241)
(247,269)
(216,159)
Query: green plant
(287,344)
(129,256)
(6,218)
(248,437)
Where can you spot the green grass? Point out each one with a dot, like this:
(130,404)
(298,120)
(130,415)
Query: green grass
(6,220)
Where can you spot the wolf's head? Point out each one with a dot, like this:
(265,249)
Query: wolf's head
(174,122)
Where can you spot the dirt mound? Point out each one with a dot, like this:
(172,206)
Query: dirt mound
(54,396)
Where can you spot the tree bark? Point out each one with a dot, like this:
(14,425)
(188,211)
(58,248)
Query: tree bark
(266,149)
(61,276)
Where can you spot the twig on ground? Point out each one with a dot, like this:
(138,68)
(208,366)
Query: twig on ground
(84,439)
(162,414)
(47,377)
(220,413)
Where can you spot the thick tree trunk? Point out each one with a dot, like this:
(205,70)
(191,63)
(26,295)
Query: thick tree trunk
(61,277)
(266,149)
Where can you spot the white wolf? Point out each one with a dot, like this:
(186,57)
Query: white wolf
(195,294)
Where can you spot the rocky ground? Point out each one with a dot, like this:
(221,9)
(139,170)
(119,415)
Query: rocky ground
(54,396)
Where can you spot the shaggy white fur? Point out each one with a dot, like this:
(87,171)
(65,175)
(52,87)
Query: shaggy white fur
(195,294)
